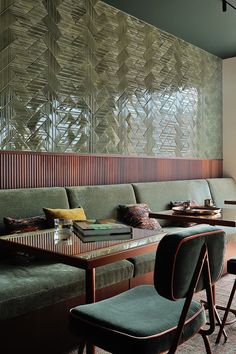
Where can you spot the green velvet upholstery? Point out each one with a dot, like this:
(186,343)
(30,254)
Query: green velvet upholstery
(141,313)
(230,233)
(101,202)
(177,255)
(113,273)
(29,287)
(158,195)
(145,318)
(19,203)
(145,263)
(221,189)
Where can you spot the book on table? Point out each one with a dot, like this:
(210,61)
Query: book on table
(101,227)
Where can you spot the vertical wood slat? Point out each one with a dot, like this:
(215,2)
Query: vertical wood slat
(20,169)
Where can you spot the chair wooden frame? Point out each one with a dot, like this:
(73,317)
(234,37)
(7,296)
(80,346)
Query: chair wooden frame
(202,268)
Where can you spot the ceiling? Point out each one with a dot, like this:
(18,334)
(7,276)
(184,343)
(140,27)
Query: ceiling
(200,22)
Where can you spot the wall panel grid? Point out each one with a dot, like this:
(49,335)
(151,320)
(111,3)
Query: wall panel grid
(82,76)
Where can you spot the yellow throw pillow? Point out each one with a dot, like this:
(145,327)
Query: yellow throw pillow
(69,214)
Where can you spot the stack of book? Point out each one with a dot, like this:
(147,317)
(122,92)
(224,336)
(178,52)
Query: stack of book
(95,230)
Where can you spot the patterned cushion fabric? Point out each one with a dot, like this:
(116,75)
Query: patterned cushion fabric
(25,224)
(69,214)
(137,215)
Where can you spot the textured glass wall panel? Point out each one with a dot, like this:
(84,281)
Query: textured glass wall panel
(81,76)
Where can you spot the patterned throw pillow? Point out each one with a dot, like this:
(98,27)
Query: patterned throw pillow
(137,215)
(33,223)
(69,214)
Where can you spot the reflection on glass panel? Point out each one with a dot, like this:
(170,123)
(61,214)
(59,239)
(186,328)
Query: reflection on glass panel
(82,77)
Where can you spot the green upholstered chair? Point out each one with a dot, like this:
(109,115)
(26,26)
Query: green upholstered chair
(152,319)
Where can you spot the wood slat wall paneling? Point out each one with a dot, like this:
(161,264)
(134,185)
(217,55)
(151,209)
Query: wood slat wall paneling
(30,169)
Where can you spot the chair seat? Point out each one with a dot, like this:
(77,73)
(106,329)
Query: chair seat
(231,265)
(134,315)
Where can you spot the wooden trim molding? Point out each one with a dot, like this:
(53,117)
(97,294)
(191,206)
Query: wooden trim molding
(23,169)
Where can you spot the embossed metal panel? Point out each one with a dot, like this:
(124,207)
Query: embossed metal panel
(82,76)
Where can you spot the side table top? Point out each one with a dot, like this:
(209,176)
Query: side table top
(227,217)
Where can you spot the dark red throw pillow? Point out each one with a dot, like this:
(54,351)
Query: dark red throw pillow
(137,215)
(33,223)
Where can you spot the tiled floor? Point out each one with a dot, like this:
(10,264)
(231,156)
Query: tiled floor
(195,345)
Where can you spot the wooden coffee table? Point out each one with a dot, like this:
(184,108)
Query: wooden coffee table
(230,201)
(227,217)
(85,255)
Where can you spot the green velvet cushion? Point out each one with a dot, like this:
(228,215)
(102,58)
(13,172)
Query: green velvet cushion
(230,233)
(139,312)
(21,203)
(221,189)
(145,263)
(159,194)
(24,288)
(101,202)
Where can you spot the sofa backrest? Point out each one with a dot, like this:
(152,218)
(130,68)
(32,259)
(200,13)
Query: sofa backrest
(26,202)
(221,189)
(101,201)
(158,195)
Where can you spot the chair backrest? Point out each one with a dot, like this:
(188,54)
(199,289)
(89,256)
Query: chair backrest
(178,255)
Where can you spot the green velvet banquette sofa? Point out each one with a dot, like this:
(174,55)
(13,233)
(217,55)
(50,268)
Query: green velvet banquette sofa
(35,296)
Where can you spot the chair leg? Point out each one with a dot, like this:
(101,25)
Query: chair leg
(219,322)
(226,313)
(206,342)
(82,346)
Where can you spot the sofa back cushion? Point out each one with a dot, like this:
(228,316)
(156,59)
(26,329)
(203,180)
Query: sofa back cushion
(158,195)
(101,201)
(221,189)
(27,202)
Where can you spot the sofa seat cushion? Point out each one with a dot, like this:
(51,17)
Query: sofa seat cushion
(144,263)
(101,202)
(113,273)
(230,233)
(25,288)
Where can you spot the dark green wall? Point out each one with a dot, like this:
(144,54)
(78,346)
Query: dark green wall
(200,22)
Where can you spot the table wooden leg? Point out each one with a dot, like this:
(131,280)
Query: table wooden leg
(90,297)
(90,285)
